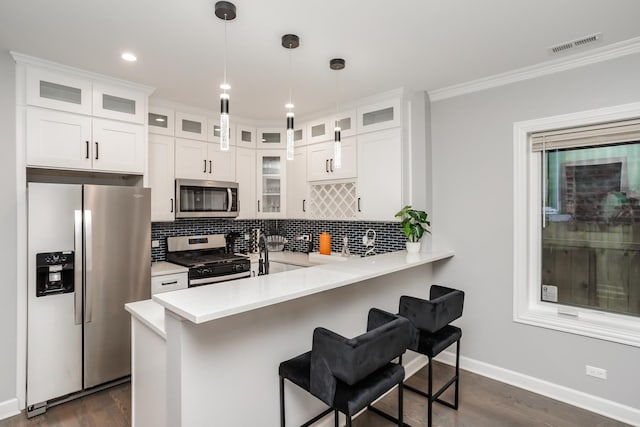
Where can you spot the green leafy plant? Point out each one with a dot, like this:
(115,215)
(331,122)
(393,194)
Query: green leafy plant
(414,223)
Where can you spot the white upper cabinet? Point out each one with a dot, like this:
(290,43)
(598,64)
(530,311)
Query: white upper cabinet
(297,188)
(320,130)
(204,160)
(245,136)
(379,116)
(118,146)
(161,121)
(118,103)
(347,122)
(271,138)
(161,177)
(59,140)
(62,140)
(299,136)
(379,189)
(321,162)
(213,131)
(246,178)
(271,184)
(191,126)
(59,91)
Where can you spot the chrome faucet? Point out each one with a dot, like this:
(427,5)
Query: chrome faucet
(263,261)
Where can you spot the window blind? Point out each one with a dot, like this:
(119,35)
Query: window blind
(586,136)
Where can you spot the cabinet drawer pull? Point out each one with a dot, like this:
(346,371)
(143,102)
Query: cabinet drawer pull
(173,282)
(304,208)
(326,165)
(205,166)
(359,210)
(87,155)
(331,165)
(172,205)
(209,166)
(258,205)
(96,150)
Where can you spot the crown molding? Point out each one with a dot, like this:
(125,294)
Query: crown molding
(21,58)
(605,53)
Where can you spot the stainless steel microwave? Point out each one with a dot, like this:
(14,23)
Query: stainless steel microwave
(206,199)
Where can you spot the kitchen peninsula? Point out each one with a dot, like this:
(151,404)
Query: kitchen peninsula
(210,354)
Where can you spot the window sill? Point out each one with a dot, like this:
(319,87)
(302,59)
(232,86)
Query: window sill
(589,323)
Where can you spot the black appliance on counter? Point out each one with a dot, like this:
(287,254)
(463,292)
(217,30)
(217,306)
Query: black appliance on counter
(207,259)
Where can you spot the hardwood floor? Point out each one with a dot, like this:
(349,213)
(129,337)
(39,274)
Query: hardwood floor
(483,403)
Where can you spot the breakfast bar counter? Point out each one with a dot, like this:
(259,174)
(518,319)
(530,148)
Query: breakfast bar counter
(219,362)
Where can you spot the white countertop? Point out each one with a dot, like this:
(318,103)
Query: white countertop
(205,303)
(150,313)
(162,268)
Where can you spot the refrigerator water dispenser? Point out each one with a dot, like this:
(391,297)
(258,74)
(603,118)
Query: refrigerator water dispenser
(54,273)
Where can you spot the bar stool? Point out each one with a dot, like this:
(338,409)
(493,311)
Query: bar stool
(349,374)
(432,334)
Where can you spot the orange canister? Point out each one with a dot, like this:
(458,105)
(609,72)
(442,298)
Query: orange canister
(325,243)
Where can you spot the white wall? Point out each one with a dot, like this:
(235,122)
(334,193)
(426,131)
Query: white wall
(8,222)
(473,196)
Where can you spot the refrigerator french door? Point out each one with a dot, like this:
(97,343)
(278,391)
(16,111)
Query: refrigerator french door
(78,332)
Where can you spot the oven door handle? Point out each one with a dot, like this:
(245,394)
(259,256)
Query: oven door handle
(217,279)
(230,199)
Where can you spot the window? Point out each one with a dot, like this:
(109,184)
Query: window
(577,223)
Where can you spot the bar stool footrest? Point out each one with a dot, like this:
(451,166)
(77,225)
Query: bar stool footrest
(318,417)
(385,415)
(436,395)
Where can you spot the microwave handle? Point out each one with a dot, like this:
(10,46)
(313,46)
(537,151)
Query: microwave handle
(230,198)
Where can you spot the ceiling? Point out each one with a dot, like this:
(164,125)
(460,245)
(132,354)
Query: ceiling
(418,44)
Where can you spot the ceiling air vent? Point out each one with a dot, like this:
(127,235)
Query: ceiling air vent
(581,42)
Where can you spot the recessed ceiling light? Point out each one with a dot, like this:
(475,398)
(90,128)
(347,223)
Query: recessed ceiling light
(129,57)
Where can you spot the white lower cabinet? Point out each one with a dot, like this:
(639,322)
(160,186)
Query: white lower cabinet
(169,282)
(246,178)
(297,188)
(321,161)
(204,160)
(70,141)
(161,177)
(379,185)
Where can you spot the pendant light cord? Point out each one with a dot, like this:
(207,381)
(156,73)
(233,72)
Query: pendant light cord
(336,98)
(290,72)
(225,51)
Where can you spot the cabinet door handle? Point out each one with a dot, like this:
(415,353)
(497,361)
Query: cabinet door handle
(359,210)
(209,166)
(87,155)
(331,165)
(205,166)
(304,208)
(96,150)
(326,165)
(258,205)
(173,282)
(172,205)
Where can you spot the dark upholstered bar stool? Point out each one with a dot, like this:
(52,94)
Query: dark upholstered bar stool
(349,374)
(432,333)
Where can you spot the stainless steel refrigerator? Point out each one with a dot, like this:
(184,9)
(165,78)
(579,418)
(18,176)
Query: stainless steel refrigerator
(89,249)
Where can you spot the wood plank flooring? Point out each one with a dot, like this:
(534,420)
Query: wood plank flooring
(483,403)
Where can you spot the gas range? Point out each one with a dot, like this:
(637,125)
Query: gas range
(207,259)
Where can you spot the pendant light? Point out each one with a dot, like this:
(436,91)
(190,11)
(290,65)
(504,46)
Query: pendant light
(226,11)
(290,41)
(337,64)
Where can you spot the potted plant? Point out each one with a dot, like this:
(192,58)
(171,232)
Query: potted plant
(414,224)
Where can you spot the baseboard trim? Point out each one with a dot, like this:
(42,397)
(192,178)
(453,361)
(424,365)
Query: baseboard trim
(607,408)
(9,408)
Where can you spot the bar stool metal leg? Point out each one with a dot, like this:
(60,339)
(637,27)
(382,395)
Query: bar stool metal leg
(400,405)
(348,420)
(337,418)
(282,423)
(455,405)
(430,393)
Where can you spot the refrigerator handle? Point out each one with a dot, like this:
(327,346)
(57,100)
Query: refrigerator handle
(88,292)
(77,273)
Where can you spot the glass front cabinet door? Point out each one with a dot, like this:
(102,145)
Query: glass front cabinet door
(271,184)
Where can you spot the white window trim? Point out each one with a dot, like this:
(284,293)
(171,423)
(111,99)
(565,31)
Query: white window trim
(527,307)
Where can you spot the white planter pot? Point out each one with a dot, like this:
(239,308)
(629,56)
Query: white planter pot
(413,247)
